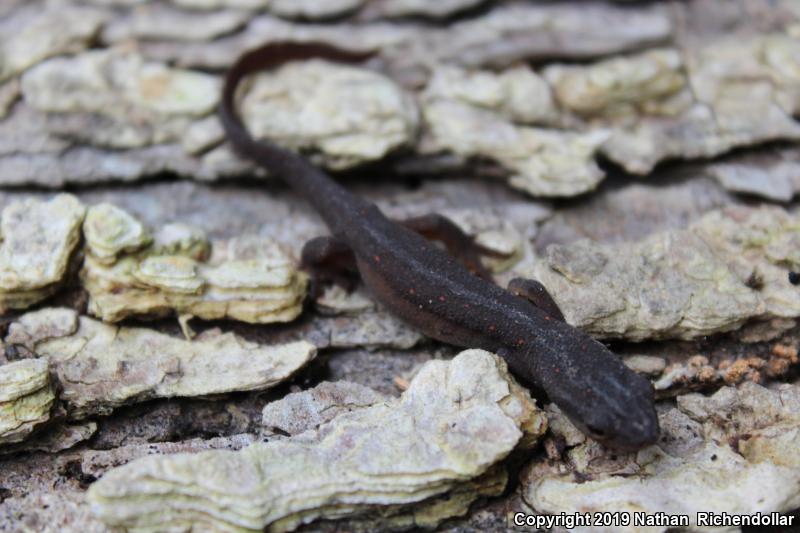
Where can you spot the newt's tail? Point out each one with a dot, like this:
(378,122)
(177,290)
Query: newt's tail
(276,159)
(329,199)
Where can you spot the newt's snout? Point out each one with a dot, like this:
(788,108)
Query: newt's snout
(627,421)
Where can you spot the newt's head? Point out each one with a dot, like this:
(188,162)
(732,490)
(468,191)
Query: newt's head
(605,399)
(624,419)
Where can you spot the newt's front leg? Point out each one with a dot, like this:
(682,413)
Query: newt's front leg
(537,294)
(329,260)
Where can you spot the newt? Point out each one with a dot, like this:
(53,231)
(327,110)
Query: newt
(447,294)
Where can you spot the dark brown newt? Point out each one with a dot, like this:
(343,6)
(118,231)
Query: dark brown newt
(437,294)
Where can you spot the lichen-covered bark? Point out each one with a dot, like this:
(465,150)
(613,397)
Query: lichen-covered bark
(456,420)
(714,454)
(100,366)
(652,117)
(177,271)
(728,267)
(127,271)
(672,92)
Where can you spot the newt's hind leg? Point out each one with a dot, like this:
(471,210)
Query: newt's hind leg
(537,294)
(462,246)
(329,260)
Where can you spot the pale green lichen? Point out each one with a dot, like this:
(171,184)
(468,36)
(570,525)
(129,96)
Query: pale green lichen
(114,82)
(34,35)
(128,102)
(462,416)
(39,240)
(608,87)
(26,398)
(348,115)
(100,366)
(128,273)
(110,230)
(744,90)
(542,162)
(728,267)
(518,94)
